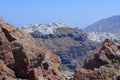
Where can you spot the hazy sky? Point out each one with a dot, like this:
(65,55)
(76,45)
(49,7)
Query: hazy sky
(79,13)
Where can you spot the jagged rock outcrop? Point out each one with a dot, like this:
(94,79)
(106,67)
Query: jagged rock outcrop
(103,64)
(21,57)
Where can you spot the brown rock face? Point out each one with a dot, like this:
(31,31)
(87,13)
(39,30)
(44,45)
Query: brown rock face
(83,74)
(5,72)
(21,57)
(104,64)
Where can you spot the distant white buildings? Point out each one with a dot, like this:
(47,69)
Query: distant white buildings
(101,36)
(43,28)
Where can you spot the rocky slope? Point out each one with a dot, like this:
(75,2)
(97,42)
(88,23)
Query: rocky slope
(111,24)
(21,57)
(71,44)
(105,28)
(102,64)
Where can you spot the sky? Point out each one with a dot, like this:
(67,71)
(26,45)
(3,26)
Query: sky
(77,13)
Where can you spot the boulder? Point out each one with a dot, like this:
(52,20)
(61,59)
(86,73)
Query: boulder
(103,64)
(83,74)
(20,53)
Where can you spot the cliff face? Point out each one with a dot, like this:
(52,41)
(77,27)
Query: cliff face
(71,44)
(103,64)
(21,57)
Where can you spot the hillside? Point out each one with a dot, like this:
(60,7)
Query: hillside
(71,44)
(104,28)
(111,24)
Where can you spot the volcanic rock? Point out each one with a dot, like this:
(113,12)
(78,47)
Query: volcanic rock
(83,74)
(5,72)
(103,65)
(21,57)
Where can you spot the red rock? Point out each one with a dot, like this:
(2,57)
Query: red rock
(36,74)
(5,50)
(20,52)
(105,55)
(5,72)
(103,65)
(83,74)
